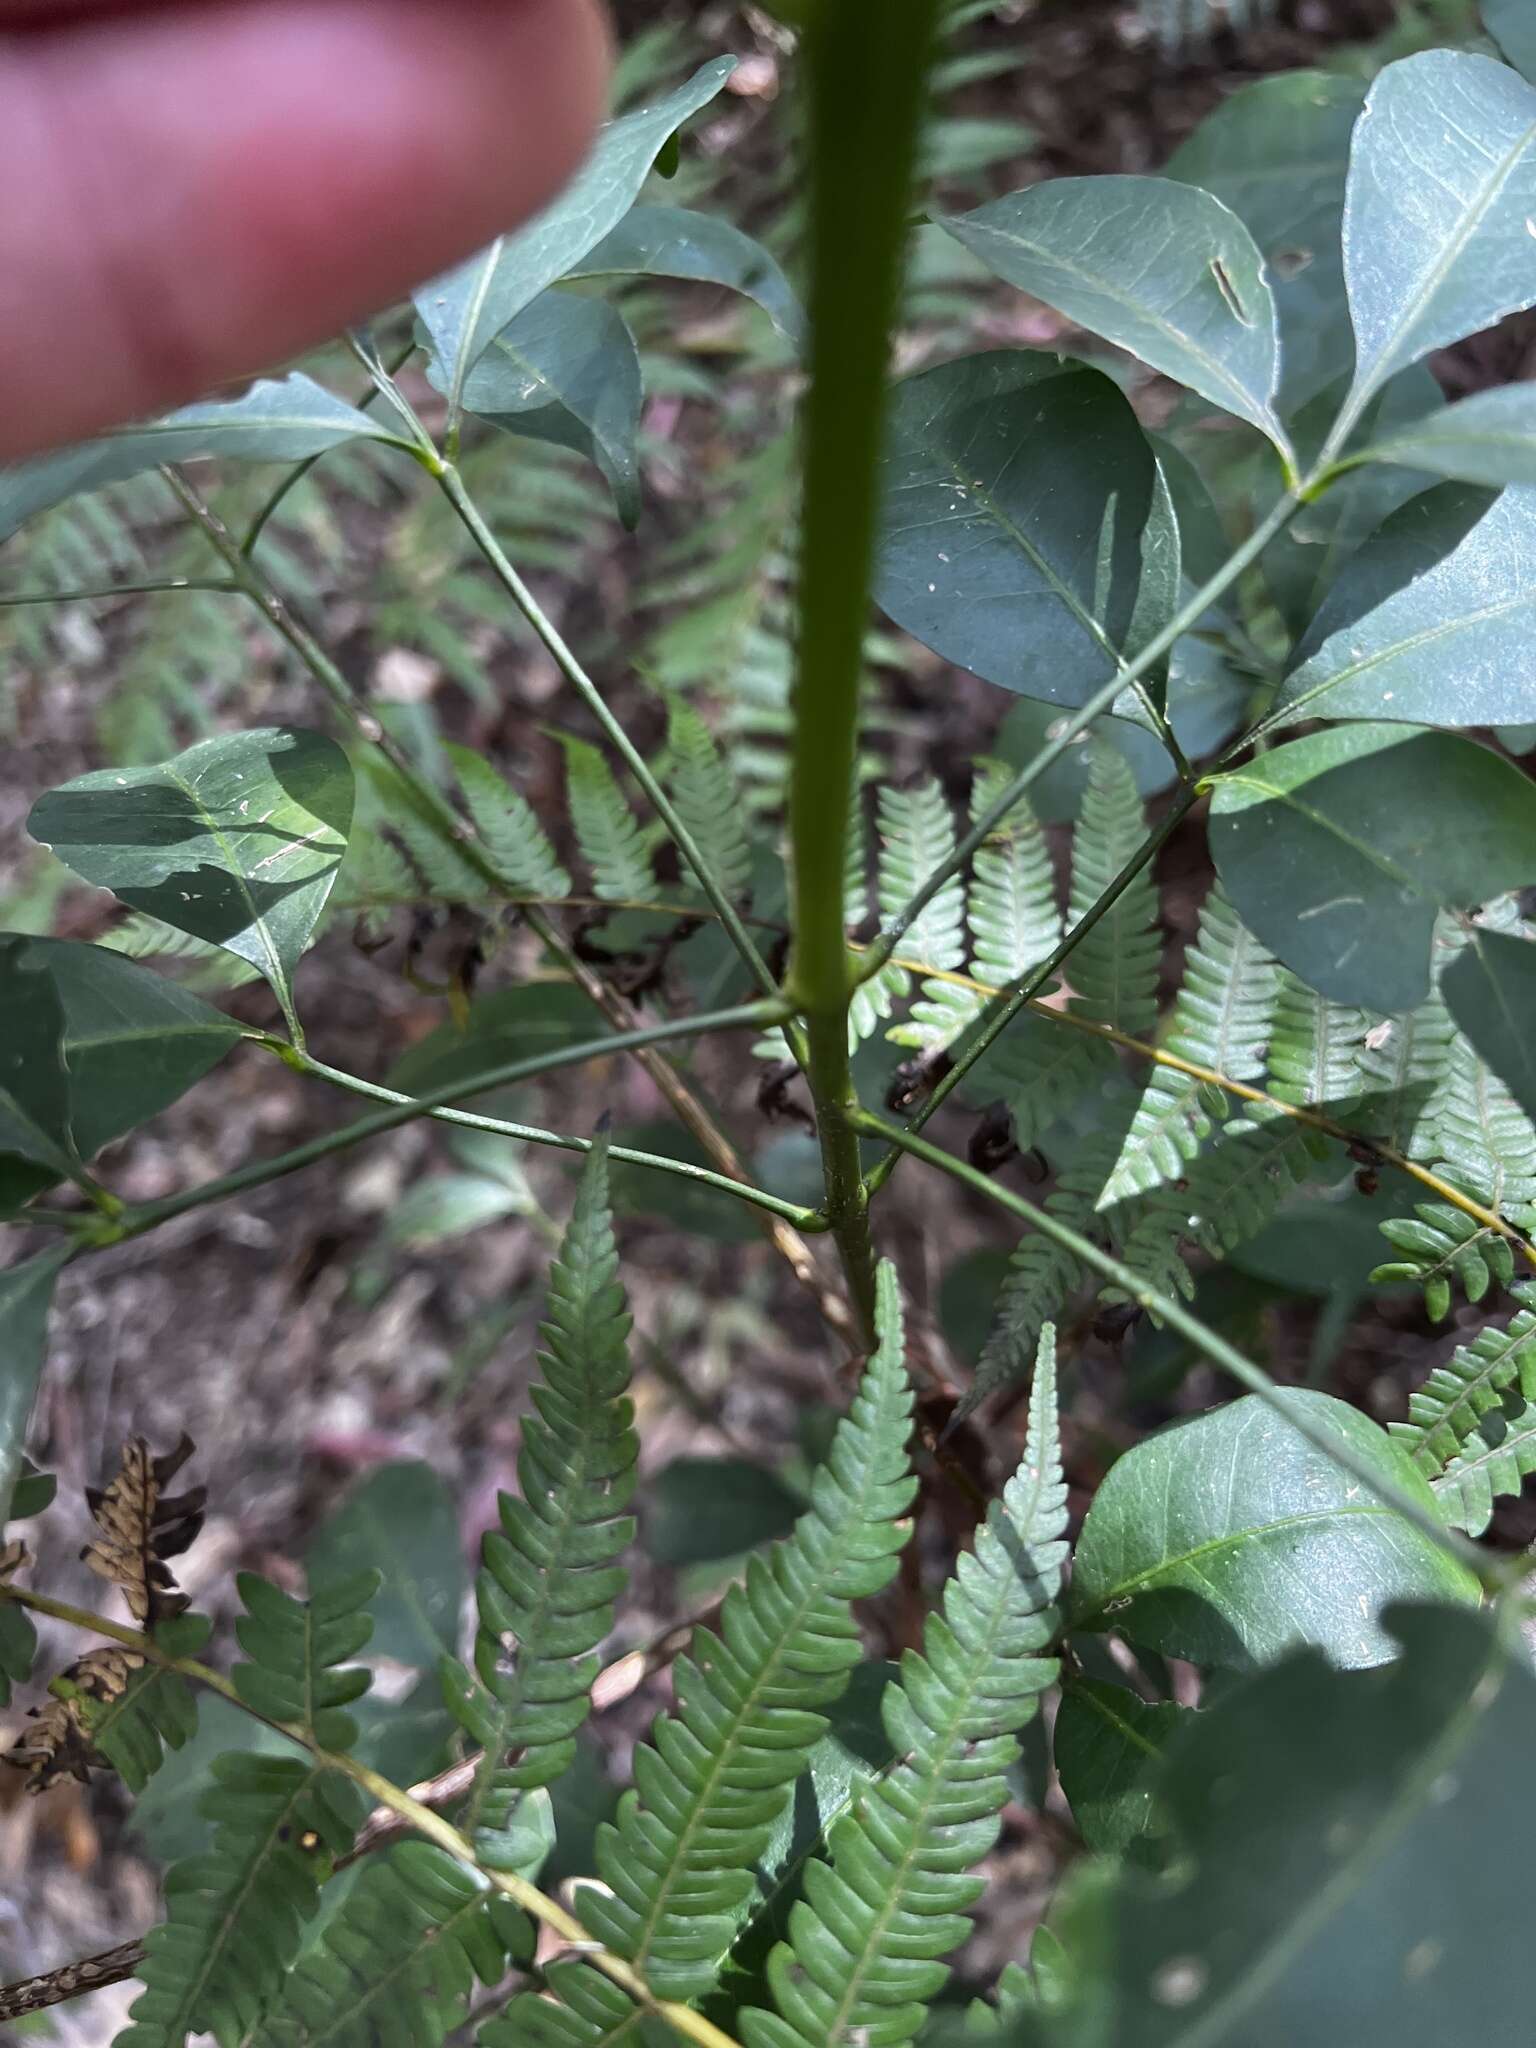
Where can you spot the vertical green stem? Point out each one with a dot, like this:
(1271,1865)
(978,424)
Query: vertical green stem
(866,71)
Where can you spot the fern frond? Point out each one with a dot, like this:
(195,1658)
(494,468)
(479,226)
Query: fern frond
(1404,1063)
(1316,1049)
(708,800)
(864,1957)
(1222,1020)
(156,1710)
(1011,912)
(1495,1459)
(552,1572)
(917,836)
(1447,1409)
(1042,1275)
(442,873)
(717,1773)
(1485,1145)
(1042,1071)
(236,1916)
(1228,1194)
(1113,971)
(401,1958)
(607,831)
(505,821)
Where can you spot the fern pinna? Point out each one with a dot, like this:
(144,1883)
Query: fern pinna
(863,1959)
(552,1571)
(676,1867)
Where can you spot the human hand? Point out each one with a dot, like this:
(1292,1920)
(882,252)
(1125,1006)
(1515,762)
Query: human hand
(193,190)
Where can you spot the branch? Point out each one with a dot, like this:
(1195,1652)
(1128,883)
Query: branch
(867,90)
(149,589)
(691,2026)
(406,1108)
(1215,1348)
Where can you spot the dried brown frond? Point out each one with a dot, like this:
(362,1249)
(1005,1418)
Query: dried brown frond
(59,1741)
(141,1527)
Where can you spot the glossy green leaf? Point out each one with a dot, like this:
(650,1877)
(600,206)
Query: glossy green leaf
(34,1077)
(1512,25)
(1490,988)
(700,1509)
(132,1044)
(1230,1539)
(566,370)
(1157,267)
(466,309)
(1018,490)
(401,1522)
(276,421)
(1349,1842)
(672,241)
(1339,850)
(237,841)
(1442,189)
(1106,1744)
(26,1295)
(1277,153)
(1431,621)
(1489,438)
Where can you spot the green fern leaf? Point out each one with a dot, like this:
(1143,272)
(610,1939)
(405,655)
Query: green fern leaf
(1011,911)
(864,1958)
(917,836)
(708,801)
(236,1917)
(401,1958)
(442,872)
(607,832)
(1495,1460)
(1445,1412)
(1485,1145)
(720,1767)
(552,1572)
(1043,1275)
(1113,971)
(1222,1020)
(1043,1069)
(1228,1195)
(1404,1066)
(1316,1050)
(156,1711)
(511,833)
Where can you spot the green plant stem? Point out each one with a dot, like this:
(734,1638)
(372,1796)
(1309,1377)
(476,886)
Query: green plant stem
(1000,1013)
(1075,724)
(1207,1342)
(691,2026)
(405,1109)
(157,588)
(866,85)
(470,516)
(296,476)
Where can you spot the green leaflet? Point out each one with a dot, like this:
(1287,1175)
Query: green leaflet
(610,839)
(1222,1019)
(509,828)
(552,1572)
(708,799)
(863,1960)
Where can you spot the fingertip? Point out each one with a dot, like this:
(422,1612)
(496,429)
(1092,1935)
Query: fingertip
(211,189)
